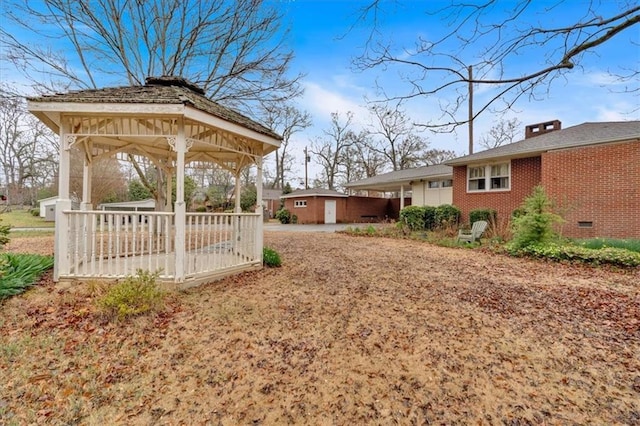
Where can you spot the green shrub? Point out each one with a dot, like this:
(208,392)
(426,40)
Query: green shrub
(429,217)
(517,213)
(4,234)
(572,253)
(20,271)
(597,243)
(133,296)
(270,257)
(535,225)
(488,215)
(283,215)
(294,219)
(413,217)
(201,209)
(446,215)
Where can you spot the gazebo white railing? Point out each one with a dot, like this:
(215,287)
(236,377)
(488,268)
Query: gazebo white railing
(171,122)
(117,244)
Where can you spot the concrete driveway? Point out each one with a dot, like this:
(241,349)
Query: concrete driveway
(279,227)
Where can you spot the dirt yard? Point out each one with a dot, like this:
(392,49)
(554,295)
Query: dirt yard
(350,330)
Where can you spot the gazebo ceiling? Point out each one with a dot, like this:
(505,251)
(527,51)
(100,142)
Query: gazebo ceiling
(145,120)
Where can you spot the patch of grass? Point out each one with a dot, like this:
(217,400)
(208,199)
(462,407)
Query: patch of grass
(16,235)
(271,258)
(19,271)
(599,243)
(24,219)
(134,296)
(572,253)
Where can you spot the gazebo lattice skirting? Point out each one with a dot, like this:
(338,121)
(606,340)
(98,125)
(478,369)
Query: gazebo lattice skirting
(170,122)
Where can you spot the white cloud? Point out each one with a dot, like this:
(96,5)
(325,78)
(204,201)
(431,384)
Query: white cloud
(321,101)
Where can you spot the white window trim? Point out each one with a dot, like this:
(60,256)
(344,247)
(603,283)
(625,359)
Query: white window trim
(487,178)
(299,204)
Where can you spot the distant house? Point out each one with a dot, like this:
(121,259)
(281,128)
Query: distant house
(316,205)
(319,205)
(591,171)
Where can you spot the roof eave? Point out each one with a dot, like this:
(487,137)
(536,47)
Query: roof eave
(537,152)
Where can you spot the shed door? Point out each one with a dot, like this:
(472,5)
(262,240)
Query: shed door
(329,211)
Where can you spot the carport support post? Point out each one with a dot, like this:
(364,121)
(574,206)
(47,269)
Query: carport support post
(180,146)
(401,197)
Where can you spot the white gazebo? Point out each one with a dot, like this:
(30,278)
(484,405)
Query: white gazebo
(173,124)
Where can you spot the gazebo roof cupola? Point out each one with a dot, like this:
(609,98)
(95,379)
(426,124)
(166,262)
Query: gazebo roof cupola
(146,120)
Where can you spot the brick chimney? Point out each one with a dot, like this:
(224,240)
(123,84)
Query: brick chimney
(541,128)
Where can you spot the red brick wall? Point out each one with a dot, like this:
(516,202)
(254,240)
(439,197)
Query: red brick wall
(314,211)
(348,210)
(599,184)
(525,174)
(365,209)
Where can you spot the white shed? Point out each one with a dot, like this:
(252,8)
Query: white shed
(48,208)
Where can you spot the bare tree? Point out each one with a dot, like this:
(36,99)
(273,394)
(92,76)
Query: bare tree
(329,150)
(358,161)
(286,120)
(438,156)
(474,38)
(26,152)
(372,162)
(233,49)
(107,181)
(394,137)
(502,133)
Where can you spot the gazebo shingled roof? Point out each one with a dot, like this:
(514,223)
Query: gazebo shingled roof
(158,90)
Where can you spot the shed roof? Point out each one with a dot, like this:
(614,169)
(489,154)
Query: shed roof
(314,192)
(148,203)
(581,135)
(391,181)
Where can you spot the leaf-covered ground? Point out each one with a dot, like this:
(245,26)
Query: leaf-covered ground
(348,331)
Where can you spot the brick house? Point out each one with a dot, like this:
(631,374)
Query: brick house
(319,205)
(591,171)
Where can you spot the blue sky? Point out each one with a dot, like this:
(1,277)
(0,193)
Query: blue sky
(324,47)
(326,35)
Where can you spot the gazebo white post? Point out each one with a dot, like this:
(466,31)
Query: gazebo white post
(87,173)
(259,208)
(169,194)
(237,210)
(238,207)
(180,146)
(401,196)
(61,245)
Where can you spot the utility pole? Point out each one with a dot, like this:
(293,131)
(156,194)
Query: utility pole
(470,110)
(307,159)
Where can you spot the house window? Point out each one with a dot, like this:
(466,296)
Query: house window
(300,203)
(477,181)
(493,177)
(434,184)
